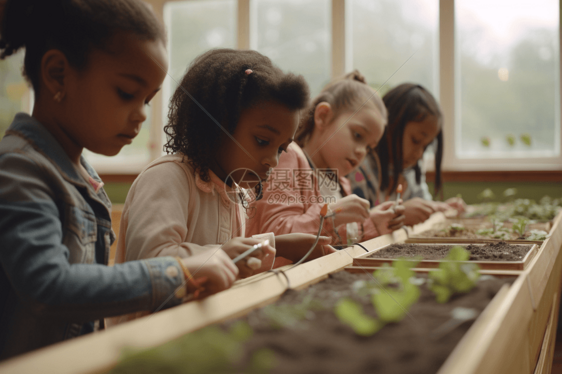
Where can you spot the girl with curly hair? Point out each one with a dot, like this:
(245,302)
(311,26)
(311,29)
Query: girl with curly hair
(339,128)
(230,118)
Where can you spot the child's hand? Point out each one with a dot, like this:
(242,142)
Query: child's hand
(457,203)
(215,271)
(351,208)
(417,210)
(440,206)
(388,216)
(260,260)
(295,246)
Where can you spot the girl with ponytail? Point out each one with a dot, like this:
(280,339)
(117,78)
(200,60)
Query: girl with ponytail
(337,131)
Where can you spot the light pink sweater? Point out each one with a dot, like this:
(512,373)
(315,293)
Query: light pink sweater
(170,211)
(290,206)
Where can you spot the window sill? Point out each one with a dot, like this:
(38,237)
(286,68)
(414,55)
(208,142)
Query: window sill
(552,176)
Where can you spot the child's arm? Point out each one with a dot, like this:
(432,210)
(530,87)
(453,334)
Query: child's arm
(286,208)
(158,214)
(289,207)
(38,266)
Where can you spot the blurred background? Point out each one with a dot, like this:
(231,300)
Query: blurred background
(493,64)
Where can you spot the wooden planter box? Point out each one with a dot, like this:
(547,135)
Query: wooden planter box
(452,240)
(513,335)
(496,273)
(440,220)
(367,260)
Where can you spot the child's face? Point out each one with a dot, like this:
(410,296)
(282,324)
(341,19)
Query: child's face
(355,135)
(105,104)
(417,136)
(263,132)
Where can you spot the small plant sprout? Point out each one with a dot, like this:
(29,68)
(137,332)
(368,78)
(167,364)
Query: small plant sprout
(453,276)
(351,313)
(485,141)
(526,139)
(510,140)
(485,232)
(537,235)
(209,350)
(456,227)
(486,195)
(290,315)
(497,223)
(520,226)
(391,303)
(510,193)
(459,316)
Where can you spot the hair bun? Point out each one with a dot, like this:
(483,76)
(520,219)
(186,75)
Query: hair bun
(18,18)
(355,75)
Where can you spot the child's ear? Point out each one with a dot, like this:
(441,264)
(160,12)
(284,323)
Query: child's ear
(54,70)
(323,115)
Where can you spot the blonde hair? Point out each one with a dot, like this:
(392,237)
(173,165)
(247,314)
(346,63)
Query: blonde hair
(348,92)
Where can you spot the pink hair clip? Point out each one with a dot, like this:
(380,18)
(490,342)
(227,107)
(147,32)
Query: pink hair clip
(249,71)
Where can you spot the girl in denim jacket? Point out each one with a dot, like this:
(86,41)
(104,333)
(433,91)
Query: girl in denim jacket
(93,65)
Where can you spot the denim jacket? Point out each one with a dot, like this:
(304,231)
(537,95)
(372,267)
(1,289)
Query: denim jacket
(55,234)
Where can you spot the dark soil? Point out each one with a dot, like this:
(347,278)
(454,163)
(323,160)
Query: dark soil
(471,228)
(500,251)
(322,344)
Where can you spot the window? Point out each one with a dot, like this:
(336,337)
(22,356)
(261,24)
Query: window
(508,98)
(494,66)
(296,35)
(194,27)
(394,42)
(14,93)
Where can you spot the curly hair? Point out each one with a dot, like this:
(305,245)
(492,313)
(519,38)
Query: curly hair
(345,93)
(73,27)
(214,92)
(406,103)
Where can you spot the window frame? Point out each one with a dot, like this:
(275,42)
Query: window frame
(341,62)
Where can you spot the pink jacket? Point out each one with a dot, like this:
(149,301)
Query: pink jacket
(291,201)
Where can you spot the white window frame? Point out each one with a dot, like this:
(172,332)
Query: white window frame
(449,74)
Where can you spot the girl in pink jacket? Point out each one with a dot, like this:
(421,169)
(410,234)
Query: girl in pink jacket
(343,124)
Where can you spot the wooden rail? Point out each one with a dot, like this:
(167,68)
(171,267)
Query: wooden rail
(512,335)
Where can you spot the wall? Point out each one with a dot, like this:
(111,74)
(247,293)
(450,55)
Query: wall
(469,190)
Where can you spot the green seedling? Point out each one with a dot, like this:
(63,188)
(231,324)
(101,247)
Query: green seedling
(545,210)
(290,315)
(510,193)
(510,140)
(526,139)
(209,350)
(537,235)
(485,232)
(485,141)
(453,276)
(487,194)
(520,226)
(456,227)
(391,303)
(502,235)
(351,313)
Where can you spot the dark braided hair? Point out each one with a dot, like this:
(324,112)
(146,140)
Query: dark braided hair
(217,88)
(407,103)
(345,93)
(71,26)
